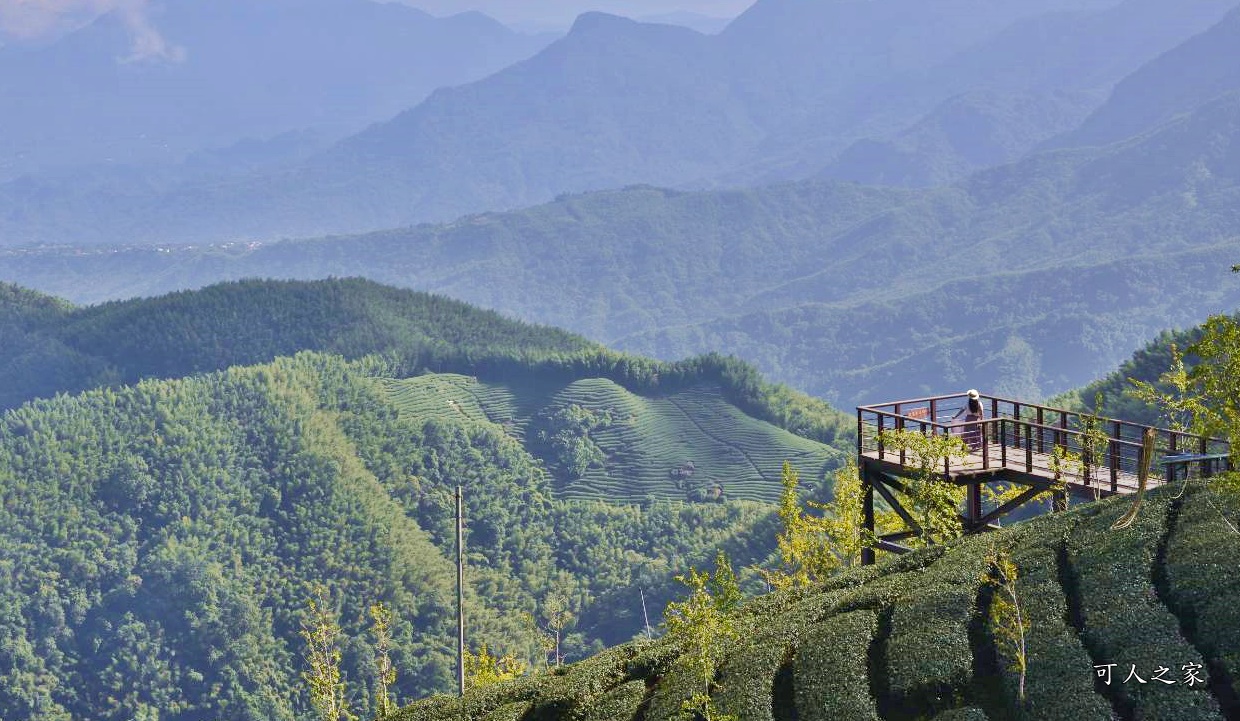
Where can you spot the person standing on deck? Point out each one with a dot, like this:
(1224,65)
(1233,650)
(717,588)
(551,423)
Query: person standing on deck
(972,414)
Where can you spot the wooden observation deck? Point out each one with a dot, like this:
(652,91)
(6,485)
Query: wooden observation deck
(1014,445)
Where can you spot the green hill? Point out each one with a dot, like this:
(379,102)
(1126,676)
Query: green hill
(910,639)
(162,538)
(52,346)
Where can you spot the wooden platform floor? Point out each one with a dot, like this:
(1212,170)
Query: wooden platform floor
(973,465)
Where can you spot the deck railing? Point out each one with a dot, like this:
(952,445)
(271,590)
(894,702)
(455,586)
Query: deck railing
(1023,436)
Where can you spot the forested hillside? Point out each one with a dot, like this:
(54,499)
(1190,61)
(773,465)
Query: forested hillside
(163,539)
(51,346)
(915,638)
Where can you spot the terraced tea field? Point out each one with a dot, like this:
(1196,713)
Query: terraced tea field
(688,444)
(1153,605)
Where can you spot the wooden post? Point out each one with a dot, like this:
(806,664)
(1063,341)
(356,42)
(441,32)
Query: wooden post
(867,512)
(974,504)
(1041,432)
(1003,442)
(879,419)
(1028,450)
(1116,429)
(900,427)
(981,431)
(460,593)
(860,432)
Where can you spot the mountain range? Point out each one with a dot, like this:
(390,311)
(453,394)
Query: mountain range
(786,88)
(1029,278)
(228,73)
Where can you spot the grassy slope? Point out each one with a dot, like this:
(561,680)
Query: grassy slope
(650,440)
(908,639)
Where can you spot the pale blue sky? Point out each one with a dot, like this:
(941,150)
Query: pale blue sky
(35,18)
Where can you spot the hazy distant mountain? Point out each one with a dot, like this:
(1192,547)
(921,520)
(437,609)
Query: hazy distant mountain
(233,69)
(1178,82)
(1029,278)
(706,24)
(965,133)
(1037,79)
(559,14)
(930,90)
(615,102)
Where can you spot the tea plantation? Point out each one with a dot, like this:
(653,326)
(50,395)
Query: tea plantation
(604,442)
(1153,606)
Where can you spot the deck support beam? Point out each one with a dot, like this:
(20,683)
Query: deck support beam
(867,511)
(1018,441)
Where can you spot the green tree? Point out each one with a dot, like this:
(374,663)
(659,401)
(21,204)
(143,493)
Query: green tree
(704,627)
(321,632)
(558,616)
(484,669)
(813,547)
(385,673)
(1008,620)
(935,501)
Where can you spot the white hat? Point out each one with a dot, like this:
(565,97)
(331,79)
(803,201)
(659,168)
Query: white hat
(973,393)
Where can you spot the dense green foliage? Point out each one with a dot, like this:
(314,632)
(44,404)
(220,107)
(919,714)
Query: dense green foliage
(160,542)
(1146,364)
(51,347)
(909,639)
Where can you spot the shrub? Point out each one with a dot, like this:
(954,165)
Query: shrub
(830,669)
(578,686)
(1124,621)
(620,704)
(509,712)
(962,714)
(1203,579)
(1059,681)
(670,693)
(929,656)
(748,674)
(474,705)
